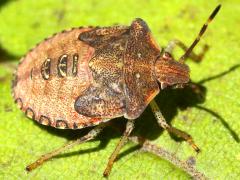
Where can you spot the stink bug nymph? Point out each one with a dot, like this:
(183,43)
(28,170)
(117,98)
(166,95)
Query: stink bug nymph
(87,76)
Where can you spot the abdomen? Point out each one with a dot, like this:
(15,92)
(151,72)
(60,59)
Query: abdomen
(50,78)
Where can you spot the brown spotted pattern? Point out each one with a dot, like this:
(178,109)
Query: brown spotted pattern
(86,76)
(139,77)
(123,71)
(105,97)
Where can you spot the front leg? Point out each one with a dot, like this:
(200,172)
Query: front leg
(162,122)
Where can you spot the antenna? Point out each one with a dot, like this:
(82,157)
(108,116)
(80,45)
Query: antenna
(203,29)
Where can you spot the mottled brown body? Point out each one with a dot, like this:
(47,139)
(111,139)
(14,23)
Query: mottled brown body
(123,71)
(85,76)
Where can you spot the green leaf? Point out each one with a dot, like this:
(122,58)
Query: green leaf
(213,121)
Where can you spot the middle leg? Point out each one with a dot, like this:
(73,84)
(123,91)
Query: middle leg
(123,140)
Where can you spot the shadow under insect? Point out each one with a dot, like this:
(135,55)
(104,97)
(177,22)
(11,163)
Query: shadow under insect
(169,101)
(192,96)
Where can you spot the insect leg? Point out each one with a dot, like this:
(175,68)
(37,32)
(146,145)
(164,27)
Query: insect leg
(123,140)
(195,57)
(91,134)
(147,146)
(162,122)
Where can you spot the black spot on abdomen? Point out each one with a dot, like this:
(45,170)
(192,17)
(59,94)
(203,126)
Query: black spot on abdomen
(61,124)
(30,113)
(46,68)
(44,120)
(62,66)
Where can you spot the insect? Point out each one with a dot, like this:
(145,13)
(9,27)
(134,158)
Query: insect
(87,76)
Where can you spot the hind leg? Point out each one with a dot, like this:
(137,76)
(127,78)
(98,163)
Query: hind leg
(92,134)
